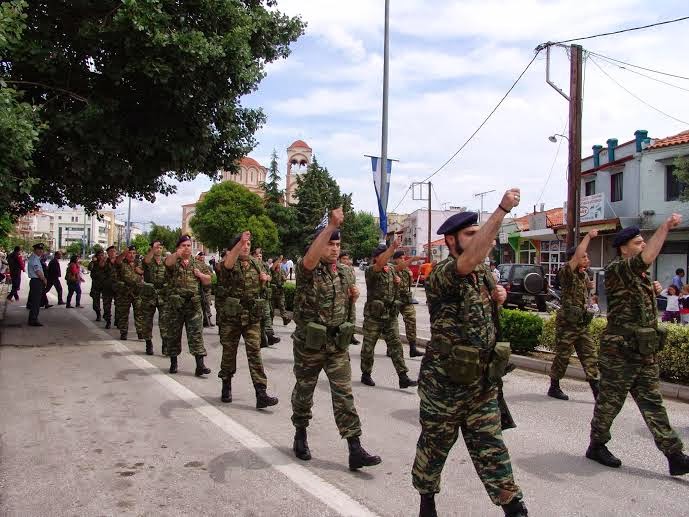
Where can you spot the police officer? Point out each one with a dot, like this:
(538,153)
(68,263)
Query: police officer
(241,279)
(380,315)
(37,283)
(463,364)
(407,308)
(572,321)
(130,279)
(629,348)
(153,296)
(321,342)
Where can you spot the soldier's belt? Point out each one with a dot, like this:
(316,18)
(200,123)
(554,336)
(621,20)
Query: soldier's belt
(641,340)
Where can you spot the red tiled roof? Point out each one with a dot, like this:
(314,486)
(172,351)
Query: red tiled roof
(299,144)
(678,139)
(249,162)
(554,217)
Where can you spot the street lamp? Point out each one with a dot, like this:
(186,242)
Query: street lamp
(577,204)
(553,138)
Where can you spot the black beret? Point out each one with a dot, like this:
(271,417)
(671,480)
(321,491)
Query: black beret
(39,246)
(200,254)
(571,251)
(234,241)
(183,238)
(398,254)
(131,248)
(335,236)
(458,222)
(377,251)
(625,235)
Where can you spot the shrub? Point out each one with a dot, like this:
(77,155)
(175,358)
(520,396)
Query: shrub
(547,339)
(521,329)
(290,289)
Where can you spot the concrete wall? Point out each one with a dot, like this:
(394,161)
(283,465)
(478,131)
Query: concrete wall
(653,185)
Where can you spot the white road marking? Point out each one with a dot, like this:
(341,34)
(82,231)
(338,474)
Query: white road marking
(299,475)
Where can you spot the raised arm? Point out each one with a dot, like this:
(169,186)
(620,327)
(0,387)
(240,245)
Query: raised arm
(171,259)
(582,249)
(232,255)
(655,243)
(317,248)
(385,257)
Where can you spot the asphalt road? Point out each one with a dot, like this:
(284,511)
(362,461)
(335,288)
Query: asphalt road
(92,426)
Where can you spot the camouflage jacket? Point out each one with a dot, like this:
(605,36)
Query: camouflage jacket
(206,270)
(349,271)
(128,274)
(277,278)
(575,291)
(631,298)
(101,277)
(405,285)
(154,273)
(242,281)
(322,295)
(381,285)
(461,307)
(181,280)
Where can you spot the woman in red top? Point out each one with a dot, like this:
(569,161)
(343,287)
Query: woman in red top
(74,279)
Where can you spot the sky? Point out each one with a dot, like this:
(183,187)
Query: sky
(450,63)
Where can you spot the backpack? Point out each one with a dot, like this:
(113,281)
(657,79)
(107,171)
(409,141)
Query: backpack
(69,275)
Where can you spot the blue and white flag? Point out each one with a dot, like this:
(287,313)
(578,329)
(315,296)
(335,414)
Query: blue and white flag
(375,165)
(324,221)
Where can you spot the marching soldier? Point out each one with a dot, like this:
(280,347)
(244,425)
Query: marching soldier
(407,308)
(183,305)
(629,348)
(268,336)
(205,290)
(241,310)
(346,262)
(153,295)
(463,365)
(321,342)
(380,316)
(277,286)
(572,322)
(130,279)
(101,286)
(111,261)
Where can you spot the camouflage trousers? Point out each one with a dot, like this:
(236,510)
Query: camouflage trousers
(278,302)
(408,312)
(206,306)
(569,338)
(267,320)
(230,332)
(373,329)
(126,298)
(307,367)
(445,409)
(107,296)
(622,372)
(149,304)
(352,314)
(139,316)
(185,315)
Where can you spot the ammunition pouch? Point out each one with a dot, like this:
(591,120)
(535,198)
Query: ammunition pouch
(147,290)
(344,335)
(499,360)
(646,340)
(258,309)
(232,307)
(462,364)
(377,309)
(316,336)
(175,302)
(405,298)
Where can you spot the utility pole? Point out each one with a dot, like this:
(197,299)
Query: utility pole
(129,220)
(384,140)
(482,195)
(574,178)
(430,218)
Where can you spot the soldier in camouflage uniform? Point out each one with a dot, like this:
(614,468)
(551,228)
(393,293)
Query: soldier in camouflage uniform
(153,295)
(629,347)
(129,283)
(241,309)
(206,290)
(277,286)
(183,305)
(114,281)
(572,322)
(268,336)
(463,364)
(137,305)
(380,316)
(321,342)
(101,286)
(346,262)
(407,308)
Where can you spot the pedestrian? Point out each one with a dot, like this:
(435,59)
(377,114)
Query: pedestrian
(205,291)
(346,262)
(495,271)
(629,348)
(242,310)
(130,278)
(268,336)
(321,342)
(463,364)
(678,279)
(153,296)
(15,261)
(572,321)
(74,280)
(183,305)
(37,283)
(44,299)
(406,304)
(277,287)
(593,306)
(290,267)
(380,315)
(212,262)
(54,277)
(684,305)
(671,313)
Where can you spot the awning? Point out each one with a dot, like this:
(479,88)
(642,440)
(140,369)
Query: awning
(545,234)
(601,226)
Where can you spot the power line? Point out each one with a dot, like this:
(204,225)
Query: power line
(552,166)
(403,197)
(486,119)
(638,66)
(636,96)
(624,30)
(644,75)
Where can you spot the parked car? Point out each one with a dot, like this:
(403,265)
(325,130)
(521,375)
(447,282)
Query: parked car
(525,285)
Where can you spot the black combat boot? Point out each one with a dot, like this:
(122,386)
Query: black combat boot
(679,463)
(358,457)
(139,335)
(107,324)
(149,347)
(427,507)
(200,367)
(286,321)
(226,391)
(555,391)
(97,314)
(173,364)
(413,352)
(366,379)
(388,353)
(263,400)
(273,339)
(595,387)
(601,454)
(405,381)
(264,340)
(123,335)
(301,446)
(515,508)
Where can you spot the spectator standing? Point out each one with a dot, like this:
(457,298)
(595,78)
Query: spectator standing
(684,304)
(678,279)
(37,283)
(16,264)
(74,279)
(44,298)
(671,313)
(54,275)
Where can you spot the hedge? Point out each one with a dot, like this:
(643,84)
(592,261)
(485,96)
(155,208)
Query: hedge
(673,360)
(522,329)
(290,289)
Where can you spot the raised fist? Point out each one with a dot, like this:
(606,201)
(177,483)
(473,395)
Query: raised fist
(354,293)
(246,237)
(510,199)
(263,277)
(499,294)
(593,234)
(657,287)
(674,221)
(336,217)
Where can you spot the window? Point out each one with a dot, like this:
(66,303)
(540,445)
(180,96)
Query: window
(673,187)
(527,252)
(590,187)
(616,187)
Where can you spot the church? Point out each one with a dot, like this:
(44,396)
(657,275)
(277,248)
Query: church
(252,175)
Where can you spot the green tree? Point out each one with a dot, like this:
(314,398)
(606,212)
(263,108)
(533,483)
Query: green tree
(360,234)
(6,228)
(273,193)
(291,243)
(165,234)
(141,243)
(134,93)
(228,209)
(681,172)
(74,248)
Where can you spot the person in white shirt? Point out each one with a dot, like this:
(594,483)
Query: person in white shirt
(672,309)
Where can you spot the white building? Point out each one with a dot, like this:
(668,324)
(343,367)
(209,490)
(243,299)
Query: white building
(415,231)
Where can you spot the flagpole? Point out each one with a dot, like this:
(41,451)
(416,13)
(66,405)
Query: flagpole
(384,142)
